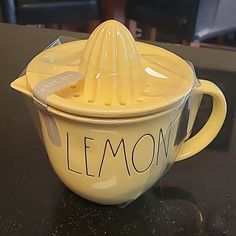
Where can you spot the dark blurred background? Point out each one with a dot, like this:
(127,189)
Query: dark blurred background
(199,23)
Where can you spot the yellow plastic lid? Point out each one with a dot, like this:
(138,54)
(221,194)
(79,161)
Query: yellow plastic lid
(110,75)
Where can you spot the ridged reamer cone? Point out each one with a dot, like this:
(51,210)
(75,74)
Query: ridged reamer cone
(111,65)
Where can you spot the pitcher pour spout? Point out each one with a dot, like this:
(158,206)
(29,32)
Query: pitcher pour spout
(20,85)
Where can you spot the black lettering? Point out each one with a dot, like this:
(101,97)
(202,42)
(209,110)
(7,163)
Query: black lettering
(153,153)
(114,153)
(85,155)
(68,155)
(165,146)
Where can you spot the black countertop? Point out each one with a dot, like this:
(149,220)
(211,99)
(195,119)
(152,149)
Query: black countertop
(196,197)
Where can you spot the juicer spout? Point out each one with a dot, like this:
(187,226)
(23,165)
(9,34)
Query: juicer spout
(20,85)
